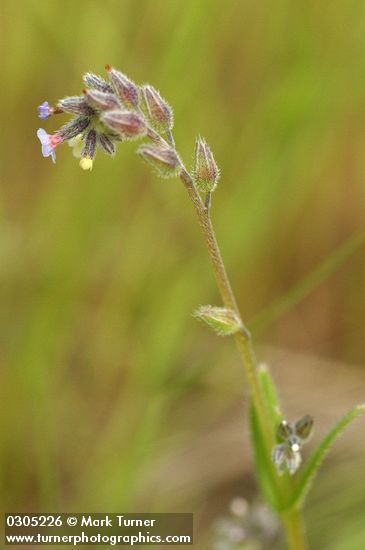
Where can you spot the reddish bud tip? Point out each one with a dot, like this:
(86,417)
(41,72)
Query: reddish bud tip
(108,67)
(125,88)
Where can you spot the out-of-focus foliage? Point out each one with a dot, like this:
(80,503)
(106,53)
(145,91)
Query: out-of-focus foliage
(105,375)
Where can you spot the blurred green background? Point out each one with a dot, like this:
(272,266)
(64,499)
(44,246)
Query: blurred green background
(113,398)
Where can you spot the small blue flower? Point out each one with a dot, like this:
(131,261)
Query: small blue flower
(49,143)
(287,455)
(44,110)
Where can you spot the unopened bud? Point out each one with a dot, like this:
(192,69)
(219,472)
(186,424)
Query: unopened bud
(125,88)
(97,83)
(206,173)
(222,320)
(75,105)
(157,110)
(162,158)
(102,101)
(127,124)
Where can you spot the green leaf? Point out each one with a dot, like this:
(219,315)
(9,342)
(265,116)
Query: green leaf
(270,395)
(263,464)
(311,468)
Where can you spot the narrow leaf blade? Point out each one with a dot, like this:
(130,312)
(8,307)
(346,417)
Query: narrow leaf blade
(270,394)
(263,465)
(316,459)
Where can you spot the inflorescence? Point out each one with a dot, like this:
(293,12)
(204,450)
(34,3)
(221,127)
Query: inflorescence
(106,113)
(119,110)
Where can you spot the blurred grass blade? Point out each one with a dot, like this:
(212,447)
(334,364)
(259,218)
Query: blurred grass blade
(263,464)
(315,461)
(307,285)
(270,394)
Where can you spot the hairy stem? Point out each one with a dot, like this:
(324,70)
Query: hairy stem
(292,521)
(243,338)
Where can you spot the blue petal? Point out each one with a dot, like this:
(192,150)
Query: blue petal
(42,135)
(43,110)
(47,149)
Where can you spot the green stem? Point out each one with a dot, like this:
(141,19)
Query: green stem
(243,338)
(292,523)
(294,530)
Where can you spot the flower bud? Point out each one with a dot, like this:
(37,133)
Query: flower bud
(163,159)
(75,105)
(126,89)
(157,110)
(206,173)
(128,125)
(222,320)
(97,83)
(102,101)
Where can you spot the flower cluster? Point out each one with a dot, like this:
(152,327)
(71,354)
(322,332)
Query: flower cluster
(110,112)
(287,455)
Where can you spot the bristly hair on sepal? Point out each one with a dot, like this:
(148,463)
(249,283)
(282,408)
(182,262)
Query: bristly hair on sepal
(74,128)
(206,172)
(163,159)
(107,144)
(224,321)
(127,124)
(126,90)
(75,105)
(157,111)
(101,101)
(96,82)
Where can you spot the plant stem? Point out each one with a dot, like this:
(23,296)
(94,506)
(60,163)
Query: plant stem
(292,521)
(243,338)
(294,530)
